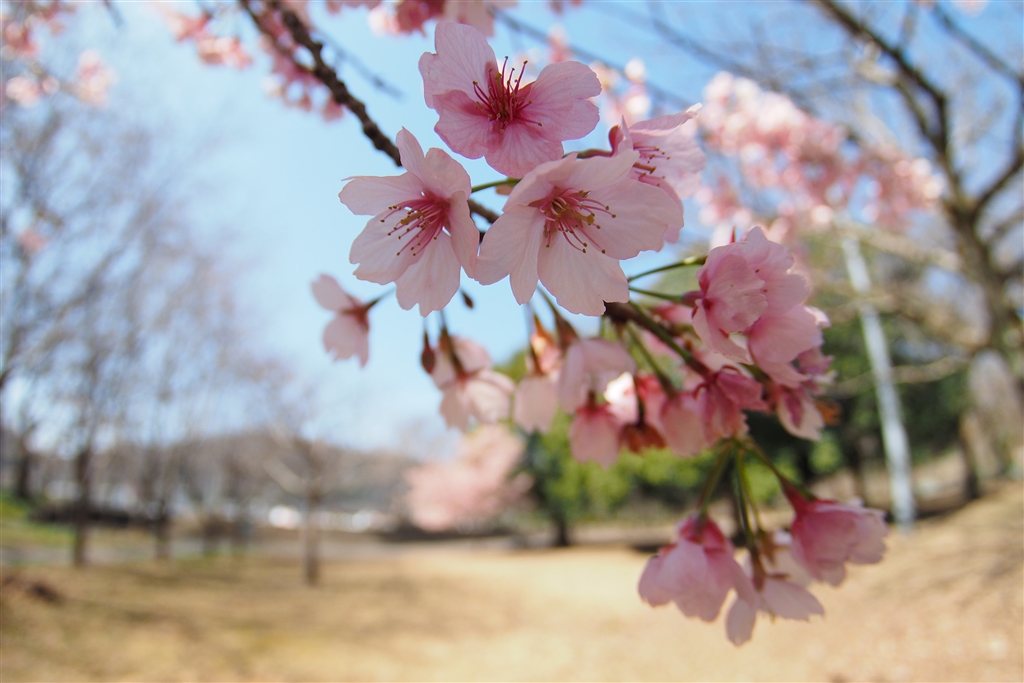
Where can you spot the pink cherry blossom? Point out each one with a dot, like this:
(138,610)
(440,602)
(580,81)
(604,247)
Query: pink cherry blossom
(484,111)
(474,487)
(594,434)
(669,155)
(93,78)
(696,572)
(797,411)
(827,535)
(470,389)
(421,233)
(348,334)
(722,398)
(682,424)
(568,224)
(776,340)
(536,398)
(590,364)
(781,592)
(739,283)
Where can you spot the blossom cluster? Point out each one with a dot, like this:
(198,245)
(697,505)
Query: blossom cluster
(699,570)
(780,147)
(31,80)
(474,487)
(681,374)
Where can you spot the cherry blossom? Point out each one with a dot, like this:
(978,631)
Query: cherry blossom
(474,487)
(536,397)
(669,155)
(827,535)
(421,233)
(781,586)
(347,335)
(470,389)
(484,111)
(590,364)
(568,223)
(696,572)
(738,283)
(682,424)
(93,78)
(594,435)
(722,398)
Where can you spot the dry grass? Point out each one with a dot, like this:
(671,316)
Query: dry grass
(945,605)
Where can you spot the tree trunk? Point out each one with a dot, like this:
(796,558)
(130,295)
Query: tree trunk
(311,534)
(82,506)
(894,436)
(162,534)
(26,459)
(562,539)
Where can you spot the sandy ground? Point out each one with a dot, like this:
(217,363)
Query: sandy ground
(946,604)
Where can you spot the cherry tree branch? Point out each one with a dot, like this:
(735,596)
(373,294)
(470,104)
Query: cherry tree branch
(323,72)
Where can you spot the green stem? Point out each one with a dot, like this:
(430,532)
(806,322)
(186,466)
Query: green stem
(689,261)
(752,447)
(745,484)
(496,183)
(660,332)
(663,380)
(712,482)
(657,295)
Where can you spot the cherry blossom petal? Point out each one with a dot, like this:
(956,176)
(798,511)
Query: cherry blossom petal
(535,403)
(344,337)
(329,294)
(432,280)
(581,282)
(370,195)
(512,246)
(461,57)
(559,100)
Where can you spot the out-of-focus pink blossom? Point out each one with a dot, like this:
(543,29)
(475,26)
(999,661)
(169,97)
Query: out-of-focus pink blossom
(682,424)
(421,234)
(223,51)
(781,591)
(484,111)
(183,26)
(827,535)
(334,6)
(93,78)
(347,335)
(590,364)
(594,434)
(471,489)
(536,399)
(568,223)
(696,572)
(470,389)
(722,398)
(31,242)
(23,90)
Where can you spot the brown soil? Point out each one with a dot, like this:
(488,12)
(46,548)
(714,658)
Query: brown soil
(946,604)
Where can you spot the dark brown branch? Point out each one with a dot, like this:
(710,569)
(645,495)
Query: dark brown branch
(339,91)
(1012,169)
(937,135)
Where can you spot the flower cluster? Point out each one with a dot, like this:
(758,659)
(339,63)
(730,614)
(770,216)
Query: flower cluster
(698,571)
(681,375)
(779,146)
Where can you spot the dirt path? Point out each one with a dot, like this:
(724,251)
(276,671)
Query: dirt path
(946,604)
